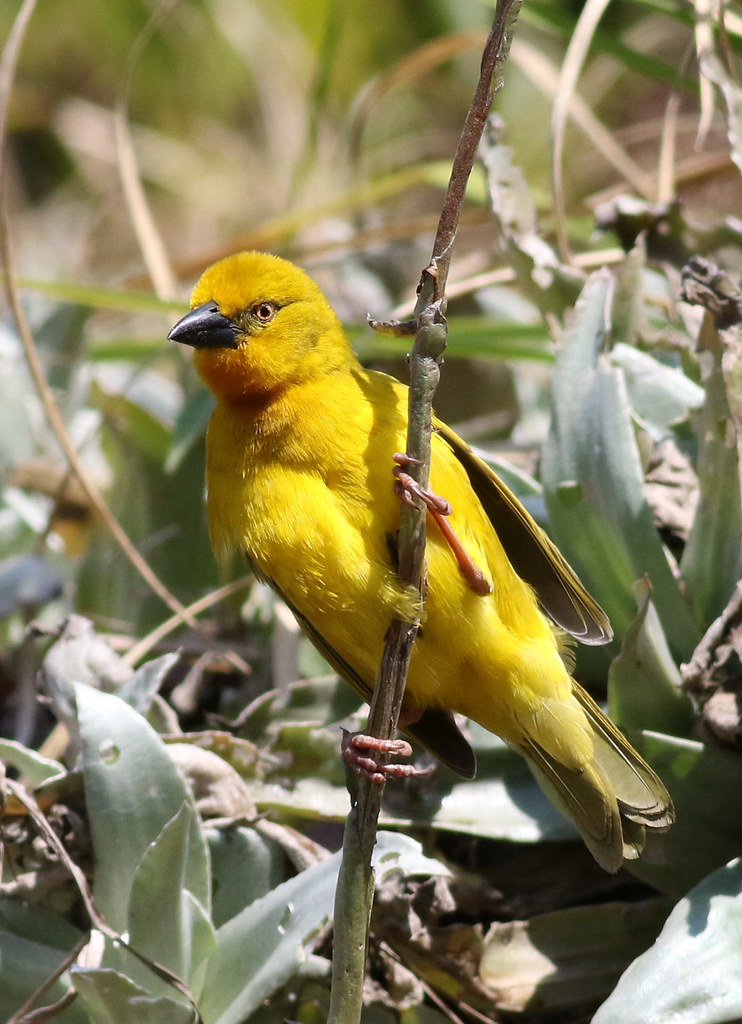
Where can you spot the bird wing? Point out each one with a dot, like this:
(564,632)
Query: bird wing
(435,730)
(533,556)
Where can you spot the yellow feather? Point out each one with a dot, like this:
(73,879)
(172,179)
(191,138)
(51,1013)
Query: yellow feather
(299,472)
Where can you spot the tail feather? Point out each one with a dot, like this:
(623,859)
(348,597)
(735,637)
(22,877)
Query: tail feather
(613,799)
(640,792)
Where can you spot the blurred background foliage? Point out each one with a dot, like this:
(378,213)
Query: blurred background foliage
(144,140)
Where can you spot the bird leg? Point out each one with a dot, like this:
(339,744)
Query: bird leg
(358,752)
(407,489)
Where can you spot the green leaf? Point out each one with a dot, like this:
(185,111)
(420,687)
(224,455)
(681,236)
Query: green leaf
(32,766)
(33,942)
(394,851)
(517,479)
(149,432)
(24,966)
(306,702)
(245,866)
(38,924)
(627,314)
(644,683)
(274,934)
(549,15)
(705,782)
(660,395)
(260,948)
(712,558)
(61,338)
(170,897)
(112,998)
(99,298)
(593,481)
(132,789)
(119,959)
(693,972)
(503,802)
(140,688)
(470,338)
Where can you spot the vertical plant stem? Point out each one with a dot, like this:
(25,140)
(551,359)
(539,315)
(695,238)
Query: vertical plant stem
(354,894)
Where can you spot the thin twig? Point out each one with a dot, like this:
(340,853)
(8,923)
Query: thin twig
(8,64)
(354,892)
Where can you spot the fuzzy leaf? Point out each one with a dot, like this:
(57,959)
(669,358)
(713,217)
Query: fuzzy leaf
(140,688)
(712,558)
(164,923)
(693,972)
(33,942)
(132,789)
(32,766)
(245,866)
(260,948)
(705,782)
(593,481)
(112,998)
(660,395)
(644,684)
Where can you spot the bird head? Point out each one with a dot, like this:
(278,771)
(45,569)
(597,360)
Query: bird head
(259,325)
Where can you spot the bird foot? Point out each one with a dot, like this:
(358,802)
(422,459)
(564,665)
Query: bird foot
(358,751)
(407,489)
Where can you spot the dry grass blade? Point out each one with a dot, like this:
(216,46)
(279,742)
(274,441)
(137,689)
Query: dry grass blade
(666,183)
(150,241)
(704,36)
(145,645)
(574,60)
(408,70)
(545,75)
(8,65)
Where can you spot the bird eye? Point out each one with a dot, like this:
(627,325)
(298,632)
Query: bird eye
(265,311)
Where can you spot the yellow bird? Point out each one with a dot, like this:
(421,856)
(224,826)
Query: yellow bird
(300,453)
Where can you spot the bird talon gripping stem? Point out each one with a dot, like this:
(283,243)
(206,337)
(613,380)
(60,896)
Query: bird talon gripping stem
(358,751)
(407,489)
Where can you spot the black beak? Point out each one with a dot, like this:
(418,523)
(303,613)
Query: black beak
(205,327)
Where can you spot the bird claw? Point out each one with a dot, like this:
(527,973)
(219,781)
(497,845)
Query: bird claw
(365,764)
(407,489)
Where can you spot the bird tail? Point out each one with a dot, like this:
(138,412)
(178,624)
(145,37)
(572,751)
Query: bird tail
(614,799)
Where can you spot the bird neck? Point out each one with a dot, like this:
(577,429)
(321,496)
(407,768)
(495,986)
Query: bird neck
(259,373)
